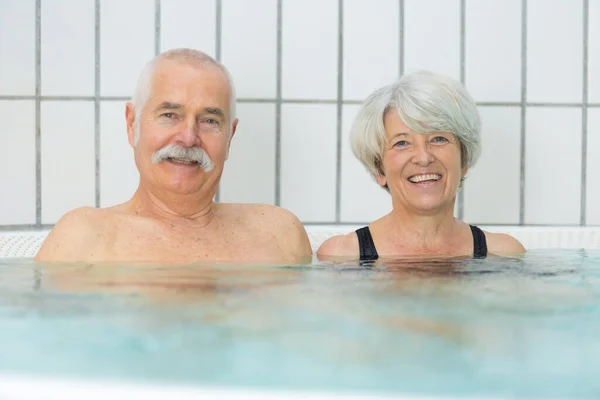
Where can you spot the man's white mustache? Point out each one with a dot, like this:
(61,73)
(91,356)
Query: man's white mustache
(196,154)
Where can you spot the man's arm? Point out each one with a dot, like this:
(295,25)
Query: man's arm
(69,240)
(291,235)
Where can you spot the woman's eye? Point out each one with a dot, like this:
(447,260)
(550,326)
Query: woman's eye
(401,143)
(440,139)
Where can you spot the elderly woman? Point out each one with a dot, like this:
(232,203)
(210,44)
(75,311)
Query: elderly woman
(418,137)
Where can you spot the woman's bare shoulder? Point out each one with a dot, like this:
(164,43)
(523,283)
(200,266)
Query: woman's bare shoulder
(339,246)
(502,244)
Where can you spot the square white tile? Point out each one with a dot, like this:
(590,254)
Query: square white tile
(554,51)
(17,164)
(594,52)
(249,174)
(432,36)
(17,47)
(250,46)
(119,177)
(68,48)
(592,167)
(310,49)
(126,44)
(493,50)
(68,157)
(492,188)
(188,23)
(308,161)
(371,46)
(363,200)
(553,166)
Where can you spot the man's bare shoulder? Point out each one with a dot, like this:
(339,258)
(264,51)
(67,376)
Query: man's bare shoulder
(339,246)
(501,244)
(71,235)
(273,221)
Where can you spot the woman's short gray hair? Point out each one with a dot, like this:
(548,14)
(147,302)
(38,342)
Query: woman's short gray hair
(426,102)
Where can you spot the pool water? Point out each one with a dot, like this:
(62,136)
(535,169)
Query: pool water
(522,328)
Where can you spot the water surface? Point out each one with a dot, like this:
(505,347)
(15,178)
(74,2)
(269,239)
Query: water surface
(525,327)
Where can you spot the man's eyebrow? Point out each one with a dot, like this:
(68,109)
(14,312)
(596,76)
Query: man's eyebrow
(215,111)
(168,106)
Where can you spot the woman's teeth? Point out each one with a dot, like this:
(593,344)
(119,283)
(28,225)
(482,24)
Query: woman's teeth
(426,177)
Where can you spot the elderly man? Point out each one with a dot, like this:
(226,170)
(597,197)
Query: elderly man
(180,123)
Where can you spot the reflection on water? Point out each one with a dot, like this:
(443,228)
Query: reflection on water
(519,327)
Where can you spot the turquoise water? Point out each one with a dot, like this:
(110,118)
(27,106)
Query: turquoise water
(521,328)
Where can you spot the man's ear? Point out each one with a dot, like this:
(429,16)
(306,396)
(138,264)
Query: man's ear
(130,119)
(233,130)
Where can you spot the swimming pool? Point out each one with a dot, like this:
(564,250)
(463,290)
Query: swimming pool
(496,328)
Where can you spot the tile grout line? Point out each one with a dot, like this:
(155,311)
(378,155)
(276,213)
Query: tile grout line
(523,110)
(157,19)
(401,37)
(97,99)
(584,113)
(292,101)
(278,102)
(38,127)
(463,12)
(218,21)
(340,94)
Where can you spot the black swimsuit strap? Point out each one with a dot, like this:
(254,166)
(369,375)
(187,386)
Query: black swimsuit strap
(479,243)
(369,252)
(366,244)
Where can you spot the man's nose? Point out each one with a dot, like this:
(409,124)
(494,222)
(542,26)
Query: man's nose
(188,135)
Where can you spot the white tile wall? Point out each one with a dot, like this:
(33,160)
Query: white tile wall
(372,56)
(593,166)
(594,52)
(371,46)
(555,51)
(308,160)
(493,50)
(17,47)
(68,52)
(126,43)
(119,176)
(553,166)
(17,164)
(246,24)
(500,163)
(249,173)
(310,49)
(432,36)
(188,23)
(363,200)
(68,157)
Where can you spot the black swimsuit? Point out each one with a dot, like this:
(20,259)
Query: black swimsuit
(369,252)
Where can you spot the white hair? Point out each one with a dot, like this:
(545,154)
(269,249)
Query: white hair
(426,102)
(192,57)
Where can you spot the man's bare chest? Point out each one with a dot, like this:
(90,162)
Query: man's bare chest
(185,247)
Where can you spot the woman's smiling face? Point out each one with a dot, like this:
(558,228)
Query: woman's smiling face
(422,171)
